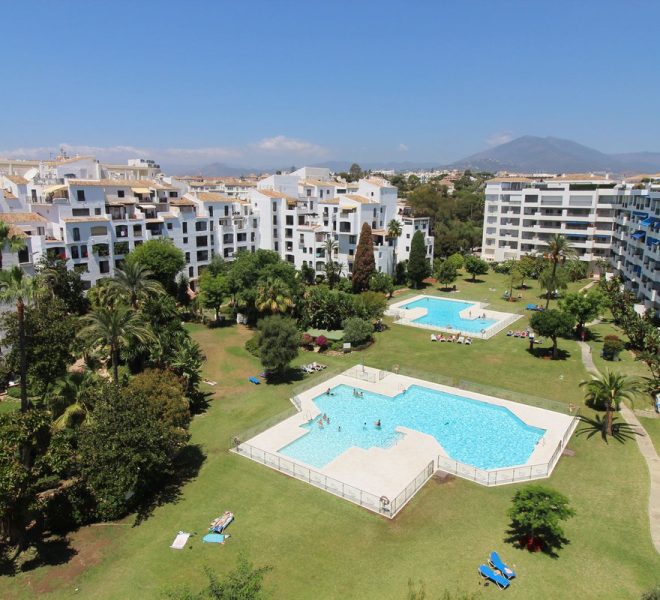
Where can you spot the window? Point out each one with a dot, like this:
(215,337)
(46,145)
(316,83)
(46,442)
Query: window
(76,234)
(352,239)
(203,255)
(210,211)
(228,238)
(121,193)
(185,240)
(202,241)
(80,212)
(137,229)
(200,226)
(185,227)
(121,248)
(275,233)
(80,194)
(169,225)
(187,257)
(174,194)
(75,253)
(104,266)
(274,219)
(252,238)
(289,219)
(99,230)
(241,237)
(226,210)
(309,192)
(191,271)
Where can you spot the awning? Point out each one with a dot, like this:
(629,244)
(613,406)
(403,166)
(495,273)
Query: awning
(648,221)
(141,190)
(54,188)
(638,235)
(147,206)
(652,241)
(638,213)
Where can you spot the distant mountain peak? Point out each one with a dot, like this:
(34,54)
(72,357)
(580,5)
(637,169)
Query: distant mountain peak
(534,154)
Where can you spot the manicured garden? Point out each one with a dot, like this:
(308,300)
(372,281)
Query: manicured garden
(322,547)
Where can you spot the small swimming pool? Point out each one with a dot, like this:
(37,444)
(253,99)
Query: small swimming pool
(476,433)
(446,314)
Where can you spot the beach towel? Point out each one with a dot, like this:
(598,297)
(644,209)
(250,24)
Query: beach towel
(214,538)
(180,540)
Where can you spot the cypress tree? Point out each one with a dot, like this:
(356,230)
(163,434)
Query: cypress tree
(418,265)
(364,264)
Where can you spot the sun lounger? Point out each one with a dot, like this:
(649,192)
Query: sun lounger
(254,380)
(180,540)
(531,307)
(214,538)
(221,523)
(497,563)
(433,338)
(441,338)
(468,341)
(510,332)
(460,340)
(498,580)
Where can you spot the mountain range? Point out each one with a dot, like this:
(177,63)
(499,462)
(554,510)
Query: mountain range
(526,154)
(532,154)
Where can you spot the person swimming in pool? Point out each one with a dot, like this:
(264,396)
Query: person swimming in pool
(377,424)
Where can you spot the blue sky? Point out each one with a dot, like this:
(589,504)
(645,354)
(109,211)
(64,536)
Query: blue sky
(276,82)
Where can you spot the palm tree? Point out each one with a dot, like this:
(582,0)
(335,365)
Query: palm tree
(16,286)
(558,249)
(114,328)
(273,295)
(132,281)
(69,392)
(330,246)
(609,390)
(11,237)
(187,363)
(394,231)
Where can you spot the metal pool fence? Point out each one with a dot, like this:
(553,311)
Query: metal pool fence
(378,504)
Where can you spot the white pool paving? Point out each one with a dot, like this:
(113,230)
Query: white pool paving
(389,462)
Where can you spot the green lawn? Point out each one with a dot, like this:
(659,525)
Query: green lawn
(652,427)
(8,404)
(323,547)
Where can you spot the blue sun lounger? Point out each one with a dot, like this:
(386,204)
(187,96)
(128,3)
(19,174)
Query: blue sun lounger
(497,563)
(498,580)
(254,380)
(214,538)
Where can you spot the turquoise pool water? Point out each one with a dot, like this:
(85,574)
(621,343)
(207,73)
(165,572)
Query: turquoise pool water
(472,432)
(445,313)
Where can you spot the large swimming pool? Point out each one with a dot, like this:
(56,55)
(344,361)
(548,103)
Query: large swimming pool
(446,314)
(472,432)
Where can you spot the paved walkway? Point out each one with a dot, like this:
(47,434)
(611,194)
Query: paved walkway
(645,447)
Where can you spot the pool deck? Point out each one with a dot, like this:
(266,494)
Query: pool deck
(387,471)
(407,316)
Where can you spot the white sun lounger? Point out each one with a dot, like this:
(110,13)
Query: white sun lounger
(180,540)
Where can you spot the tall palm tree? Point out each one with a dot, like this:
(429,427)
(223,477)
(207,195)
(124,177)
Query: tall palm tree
(114,328)
(68,398)
(330,246)
(609,390)
(558,249)
(187,363)
(274,296)
(394,231)
(132,281)
(10,237)
(16,286)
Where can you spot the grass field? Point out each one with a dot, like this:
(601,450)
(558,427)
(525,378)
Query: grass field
(652,427)
(323,547)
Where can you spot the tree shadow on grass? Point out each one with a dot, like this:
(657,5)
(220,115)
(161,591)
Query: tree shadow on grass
(39,552)
(290,375)
(187,465)
(199,402)
(546,353)
(470,280)
(550,545)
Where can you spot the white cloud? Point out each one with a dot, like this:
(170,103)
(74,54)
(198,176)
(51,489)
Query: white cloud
(501,137)
(281,143)
(403,148)
(279,147)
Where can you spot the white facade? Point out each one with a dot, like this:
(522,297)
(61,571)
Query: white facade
(72,209)
(522,213)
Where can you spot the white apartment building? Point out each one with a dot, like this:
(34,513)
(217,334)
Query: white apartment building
(636,240)
(72,209)
(522,213)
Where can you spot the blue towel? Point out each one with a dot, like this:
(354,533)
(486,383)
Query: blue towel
(254,380)
(214,538)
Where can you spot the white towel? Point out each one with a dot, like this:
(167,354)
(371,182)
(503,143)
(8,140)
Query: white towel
(180,540)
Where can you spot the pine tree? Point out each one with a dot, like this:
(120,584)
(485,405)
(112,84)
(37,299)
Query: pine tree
(364,264)
(418,264)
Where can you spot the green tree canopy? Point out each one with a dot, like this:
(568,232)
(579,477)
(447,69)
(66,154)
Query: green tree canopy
(446,272)
(475,266)
(583,306)
(214,290)
(278,343)
(365,263)
(418,265)
(357,330)
(552,323)
(381,282)
(162,259)
(536,514)
(457,260)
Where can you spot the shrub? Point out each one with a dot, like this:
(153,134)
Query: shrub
(357,331)
(612,346)
(370,305)
(456,260)
(321,341)
(278,343)
(306,340)
(252,345)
